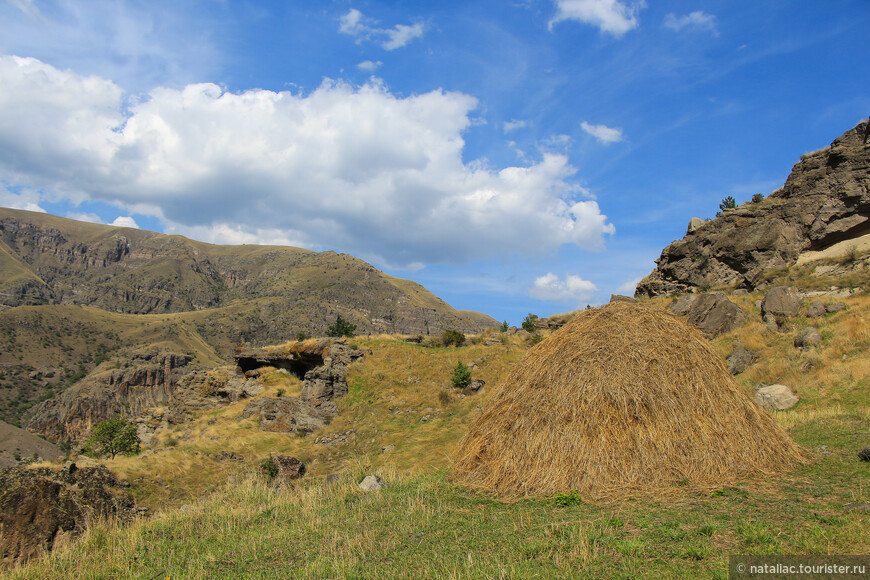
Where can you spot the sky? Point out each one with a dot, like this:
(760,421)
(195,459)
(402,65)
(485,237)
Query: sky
(514,157)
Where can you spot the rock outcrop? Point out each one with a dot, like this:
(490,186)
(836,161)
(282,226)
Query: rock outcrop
(145,381)
(825,200)
(42,509)
(321,364)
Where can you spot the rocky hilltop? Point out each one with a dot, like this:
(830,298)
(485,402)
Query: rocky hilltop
(825,201)
(45,259)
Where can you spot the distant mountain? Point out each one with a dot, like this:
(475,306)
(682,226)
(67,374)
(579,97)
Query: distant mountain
(46,259)
(825,202)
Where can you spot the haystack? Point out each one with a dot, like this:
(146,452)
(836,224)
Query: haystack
(624,400)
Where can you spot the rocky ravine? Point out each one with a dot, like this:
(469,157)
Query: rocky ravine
(824,201)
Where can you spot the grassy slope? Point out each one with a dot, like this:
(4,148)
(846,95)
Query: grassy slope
(424,526)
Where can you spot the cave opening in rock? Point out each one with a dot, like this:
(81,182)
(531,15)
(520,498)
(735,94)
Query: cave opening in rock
(297,364)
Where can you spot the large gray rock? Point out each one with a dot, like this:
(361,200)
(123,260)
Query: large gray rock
(740,358)
(807,337)
(835,307)
(682,306)
(823,201)
(372,483)
(714,314)
(782,301)
(695,224)
(776,398)
(816,309)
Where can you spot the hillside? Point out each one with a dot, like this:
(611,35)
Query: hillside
(74,294)
(52,260)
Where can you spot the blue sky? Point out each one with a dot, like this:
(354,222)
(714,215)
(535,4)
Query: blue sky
(512,157)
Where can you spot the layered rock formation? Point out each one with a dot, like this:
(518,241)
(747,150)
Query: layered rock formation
(825,200)
(145,381)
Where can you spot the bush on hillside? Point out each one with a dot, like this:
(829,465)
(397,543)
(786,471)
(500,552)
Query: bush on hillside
(114,436)
(452,338)
(728,203)
(341,328)
(529,323)
(461,376)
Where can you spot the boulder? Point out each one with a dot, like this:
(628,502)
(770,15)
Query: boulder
(42,509)
(288,467)
(740,358)
(835,307)
(776,398)
(621,298)
(782,301)
(714,314)
(473,387)
(816,309)
(864,454)
(807,337)
(695,224)
(681,306)
(372,483)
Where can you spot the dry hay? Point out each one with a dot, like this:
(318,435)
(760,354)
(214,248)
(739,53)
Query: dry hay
(624,400)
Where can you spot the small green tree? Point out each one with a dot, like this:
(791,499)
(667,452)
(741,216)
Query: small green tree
(728,203)
(529,323)
(114,436)
(757,197)
(452,337)
(504,327)
(341,328)
(461,376)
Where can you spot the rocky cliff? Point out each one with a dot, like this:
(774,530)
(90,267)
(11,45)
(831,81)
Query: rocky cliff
(825,200)
(45,259)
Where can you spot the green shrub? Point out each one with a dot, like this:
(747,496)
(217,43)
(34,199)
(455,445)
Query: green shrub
(504,327)
(756,198)
(300,336)
(568,499)
(728,203)
(114,436)
(529,323)
(452,338)
(341,328)
(461,376)
(268,467)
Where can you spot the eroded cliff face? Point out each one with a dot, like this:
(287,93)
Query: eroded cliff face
(146,381)
(825,200)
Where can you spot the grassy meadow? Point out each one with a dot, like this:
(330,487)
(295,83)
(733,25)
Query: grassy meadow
(213,517)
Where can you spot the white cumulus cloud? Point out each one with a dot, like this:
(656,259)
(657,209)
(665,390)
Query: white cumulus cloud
(603,133)
(370,66)
(611,16)
(572,289)
(697,20)
(628,288)
(355,24)
(352,168)
(125,222)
